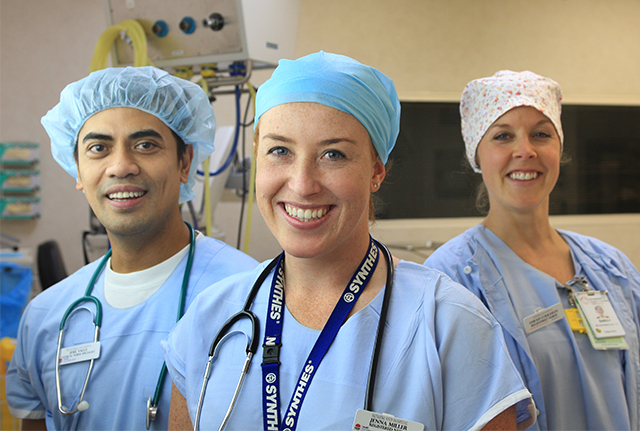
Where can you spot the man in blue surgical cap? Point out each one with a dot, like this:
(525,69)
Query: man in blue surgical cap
(132,138)
(325,125)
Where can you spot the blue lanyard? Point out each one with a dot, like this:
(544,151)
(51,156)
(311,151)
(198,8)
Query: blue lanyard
(273,342)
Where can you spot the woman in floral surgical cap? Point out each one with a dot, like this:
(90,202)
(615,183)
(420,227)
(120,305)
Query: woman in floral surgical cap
(542,284)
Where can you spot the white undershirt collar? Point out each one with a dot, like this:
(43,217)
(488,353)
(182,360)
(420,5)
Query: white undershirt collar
(128,290)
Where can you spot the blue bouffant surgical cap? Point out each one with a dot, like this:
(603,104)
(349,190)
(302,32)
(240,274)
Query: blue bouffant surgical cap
(181,105)
(340,83)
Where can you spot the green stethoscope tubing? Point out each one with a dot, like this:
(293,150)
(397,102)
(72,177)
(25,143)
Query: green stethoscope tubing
(183,297)
(153,402)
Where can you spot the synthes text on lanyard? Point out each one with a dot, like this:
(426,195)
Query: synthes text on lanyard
(273,341)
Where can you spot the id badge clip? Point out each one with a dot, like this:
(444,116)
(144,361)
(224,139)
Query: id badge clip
(366,420)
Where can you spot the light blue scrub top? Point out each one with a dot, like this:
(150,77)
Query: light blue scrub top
(125,375)
(575,387)
(443,360)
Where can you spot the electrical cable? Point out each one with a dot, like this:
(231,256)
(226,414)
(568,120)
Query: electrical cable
(252,182)
(207,198)
(134,31)
(234,147)
(244,177)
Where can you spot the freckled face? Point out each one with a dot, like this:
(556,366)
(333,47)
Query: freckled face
(519,156)
(129,170)
(315,172)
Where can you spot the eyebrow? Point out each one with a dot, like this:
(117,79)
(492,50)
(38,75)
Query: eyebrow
(544,120)
(329,141)
(145,133)
(275,137)
(97,136)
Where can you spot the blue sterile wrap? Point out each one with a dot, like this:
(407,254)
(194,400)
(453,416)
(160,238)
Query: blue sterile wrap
(180,104)
(340,83)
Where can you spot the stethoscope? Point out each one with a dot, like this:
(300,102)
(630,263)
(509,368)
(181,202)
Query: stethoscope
(152,402)
(252,342)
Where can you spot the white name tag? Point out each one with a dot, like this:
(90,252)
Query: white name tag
(543,317)
(600,314)
(83,352)
(366,420)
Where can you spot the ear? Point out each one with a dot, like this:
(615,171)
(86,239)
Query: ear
(185,164)
(379,172)
(79,185)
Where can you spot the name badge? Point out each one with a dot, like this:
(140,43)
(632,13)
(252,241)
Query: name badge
(543,317)
(366,420)
(82,352)
(600,315)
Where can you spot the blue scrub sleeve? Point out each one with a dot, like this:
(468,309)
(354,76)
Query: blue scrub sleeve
(475,362)
(176,342)
(23,399)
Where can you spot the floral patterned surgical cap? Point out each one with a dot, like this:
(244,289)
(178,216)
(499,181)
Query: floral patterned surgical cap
(485,100)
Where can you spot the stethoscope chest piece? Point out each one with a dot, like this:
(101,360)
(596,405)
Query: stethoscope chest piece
(152,411)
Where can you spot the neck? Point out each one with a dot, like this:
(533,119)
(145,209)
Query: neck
(516,229)
(329,272)
(132,253)
(313,286)
(532,238)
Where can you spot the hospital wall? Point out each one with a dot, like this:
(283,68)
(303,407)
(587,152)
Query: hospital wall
(430,48)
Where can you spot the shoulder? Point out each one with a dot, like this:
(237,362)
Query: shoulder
(42,315)
(600,256)
(214,261)
(231,290)
(589,244)
(454,254)
(457,247)
(436,291)
(211,308)
(66,290)
(593,251)
(217,249)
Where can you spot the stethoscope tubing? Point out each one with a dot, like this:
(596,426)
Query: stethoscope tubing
(96,336)
(375,357)
(152,403)
(251,349)
(253,345)
(183,297)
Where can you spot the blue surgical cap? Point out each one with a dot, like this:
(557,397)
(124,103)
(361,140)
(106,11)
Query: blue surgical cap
(180,104)
(340,83)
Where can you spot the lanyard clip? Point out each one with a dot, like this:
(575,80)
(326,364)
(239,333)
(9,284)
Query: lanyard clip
(582,281)
(271,353)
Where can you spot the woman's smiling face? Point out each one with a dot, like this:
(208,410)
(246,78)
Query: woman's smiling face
(519,156)
(316,169)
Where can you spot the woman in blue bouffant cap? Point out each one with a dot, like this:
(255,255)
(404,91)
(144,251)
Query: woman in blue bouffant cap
(346,331)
